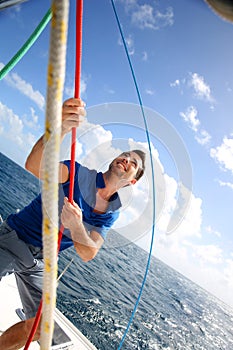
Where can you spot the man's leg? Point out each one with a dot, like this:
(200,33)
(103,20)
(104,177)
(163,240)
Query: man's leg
(15,337)
(6,257)
(29,283)
(27,264)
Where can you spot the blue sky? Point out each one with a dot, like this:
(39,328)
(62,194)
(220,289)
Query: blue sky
(182,55)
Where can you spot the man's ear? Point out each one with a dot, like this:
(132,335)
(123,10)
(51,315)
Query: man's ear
(133,182)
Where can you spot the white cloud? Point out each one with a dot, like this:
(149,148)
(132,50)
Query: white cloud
(94,147)
(31,139)
(129,43)
(134,202)
(190,222)
(203,138)
(211,231)
(228,87)
(11,123)
(227,184)
(129,3)
(70,90)
(175,83)
(108,90)
(177,209)
(208,254)
(190,117)
(32,120)
(150,92)
(228,272)
(83,87)
(14,80)
(111,91)
(147,16)
(13,132)
(223,154)
(201,89)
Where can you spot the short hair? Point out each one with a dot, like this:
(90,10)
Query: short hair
(141,170)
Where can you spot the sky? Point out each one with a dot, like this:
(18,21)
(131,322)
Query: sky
(182,56)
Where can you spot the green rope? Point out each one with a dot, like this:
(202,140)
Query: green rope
(7,68)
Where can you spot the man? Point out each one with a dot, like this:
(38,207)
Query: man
(86,220)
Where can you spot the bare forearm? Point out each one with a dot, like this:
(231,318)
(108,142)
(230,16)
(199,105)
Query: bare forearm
(85,247)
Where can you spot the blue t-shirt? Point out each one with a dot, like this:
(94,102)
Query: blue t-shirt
(28,222)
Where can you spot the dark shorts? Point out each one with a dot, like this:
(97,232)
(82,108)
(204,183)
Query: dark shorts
(26,262)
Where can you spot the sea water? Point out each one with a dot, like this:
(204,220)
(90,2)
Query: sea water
(98,297)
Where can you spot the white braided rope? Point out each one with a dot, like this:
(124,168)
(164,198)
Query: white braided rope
(56,77)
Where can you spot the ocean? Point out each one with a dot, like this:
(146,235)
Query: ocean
(98,297)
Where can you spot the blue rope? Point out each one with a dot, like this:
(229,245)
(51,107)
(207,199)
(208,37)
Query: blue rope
(153,177)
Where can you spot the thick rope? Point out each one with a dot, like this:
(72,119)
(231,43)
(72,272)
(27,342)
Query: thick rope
(79,7)
(55,84)
(152,174)
(15,59)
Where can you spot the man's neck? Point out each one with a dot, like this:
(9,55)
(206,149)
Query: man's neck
(101,204)
(110,187)
(103,195)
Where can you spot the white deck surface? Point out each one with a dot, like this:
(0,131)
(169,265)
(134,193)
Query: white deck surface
(10,301)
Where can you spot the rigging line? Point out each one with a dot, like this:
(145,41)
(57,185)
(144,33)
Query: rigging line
(152,174)
(23,50)
(64,270)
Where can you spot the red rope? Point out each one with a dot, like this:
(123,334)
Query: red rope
(34,327)
(79,15)
(79,10)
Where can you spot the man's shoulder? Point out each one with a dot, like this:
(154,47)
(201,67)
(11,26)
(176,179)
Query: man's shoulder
(78,166)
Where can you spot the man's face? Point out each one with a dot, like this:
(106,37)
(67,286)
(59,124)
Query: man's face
(126,166)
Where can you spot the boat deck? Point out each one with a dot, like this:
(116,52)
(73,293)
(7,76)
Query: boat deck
(66,335)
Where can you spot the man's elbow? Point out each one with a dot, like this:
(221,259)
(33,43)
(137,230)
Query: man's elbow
(87,254)
(29,167)
(87,258)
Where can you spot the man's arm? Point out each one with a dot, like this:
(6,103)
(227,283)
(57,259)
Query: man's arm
(73,113)
(87,246)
